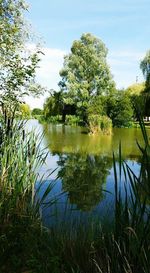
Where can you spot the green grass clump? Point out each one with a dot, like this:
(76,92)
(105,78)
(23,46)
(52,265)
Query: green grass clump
(99,124)
(20,158)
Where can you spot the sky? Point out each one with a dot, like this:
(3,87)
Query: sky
(123,25)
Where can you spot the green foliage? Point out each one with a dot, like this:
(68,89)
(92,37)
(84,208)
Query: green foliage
(37,112)
(136,94)
(136,89)
(25,111)
(97,105)
(106,125)
(13,31)
(17,64)
(99,124)
(145,67)
(20,158)
(85,73)
(53,105)
(72,120)
(54,119)
(120,109)
(94,122)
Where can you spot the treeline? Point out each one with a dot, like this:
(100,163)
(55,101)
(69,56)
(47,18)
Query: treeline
(116,106)
(88,93)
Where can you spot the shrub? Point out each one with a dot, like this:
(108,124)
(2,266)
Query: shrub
(99,124)
(106,125)
(72,120)
(120,110)
(37,112)
(55,119)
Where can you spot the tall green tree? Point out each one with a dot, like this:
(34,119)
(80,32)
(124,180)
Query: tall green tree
(86,73)
(17,64)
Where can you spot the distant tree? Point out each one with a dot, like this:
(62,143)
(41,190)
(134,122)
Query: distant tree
(137,96)
(86,73)
(136,89)
(145,67)
(53,105)
(25,110)
(37,111)
(120,109)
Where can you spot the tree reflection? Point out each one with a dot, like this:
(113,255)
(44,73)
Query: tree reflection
(83,177)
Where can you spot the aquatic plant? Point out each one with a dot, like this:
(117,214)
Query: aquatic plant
(97,124)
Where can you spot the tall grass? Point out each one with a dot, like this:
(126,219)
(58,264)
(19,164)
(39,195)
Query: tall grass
(127,247)
(20,159)
(97,124)
(123,247)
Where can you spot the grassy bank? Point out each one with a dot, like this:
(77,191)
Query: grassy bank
(119,246)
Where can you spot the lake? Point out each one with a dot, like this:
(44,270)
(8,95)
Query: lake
(81,168)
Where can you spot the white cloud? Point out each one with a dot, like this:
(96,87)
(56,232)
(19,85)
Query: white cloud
(49,67)
(130,55)
(124,67)
(48,72)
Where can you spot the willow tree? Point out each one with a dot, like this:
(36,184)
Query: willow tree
(136,93)
(85,73)
(145,67)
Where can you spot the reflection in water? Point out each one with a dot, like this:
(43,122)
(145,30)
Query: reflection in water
(85,160)
(66,139)
(85,170)
(83,177)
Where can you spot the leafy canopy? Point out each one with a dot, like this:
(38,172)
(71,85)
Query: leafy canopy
(25,111)
(135,89)
(145,67)
(53,105)
(85,72)
(120,109)
(17,63)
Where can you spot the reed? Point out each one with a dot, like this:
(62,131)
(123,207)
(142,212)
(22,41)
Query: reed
(21,157)
(25,245)
(127,247)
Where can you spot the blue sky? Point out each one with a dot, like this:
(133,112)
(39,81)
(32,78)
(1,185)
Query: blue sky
(122,25)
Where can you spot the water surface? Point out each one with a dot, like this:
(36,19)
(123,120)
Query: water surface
(84,178)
